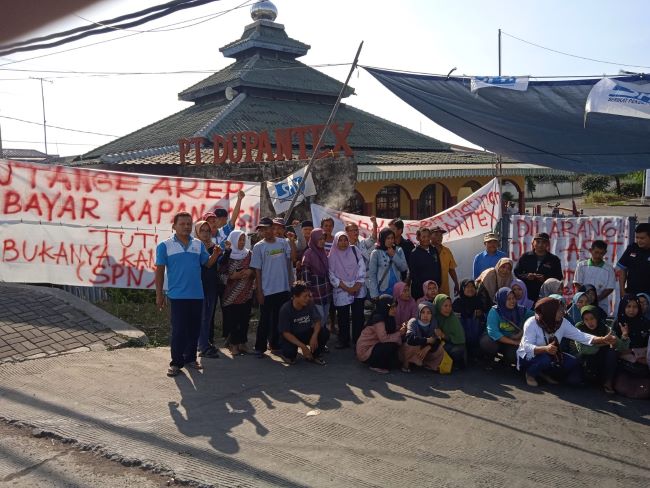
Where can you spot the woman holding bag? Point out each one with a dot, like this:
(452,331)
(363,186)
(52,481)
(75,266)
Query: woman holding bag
(387,263)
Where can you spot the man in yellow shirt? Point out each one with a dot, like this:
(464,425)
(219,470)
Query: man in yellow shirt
(447,262)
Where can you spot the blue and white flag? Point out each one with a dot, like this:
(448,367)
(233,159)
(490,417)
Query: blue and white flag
(282,191)
(519,83)
(610,96)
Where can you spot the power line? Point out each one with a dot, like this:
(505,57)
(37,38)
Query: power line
(56,126)
(52,142)
(574,55)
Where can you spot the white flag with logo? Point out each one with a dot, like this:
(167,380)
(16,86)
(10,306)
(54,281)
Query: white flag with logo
(282,191)
(519,83)
(610,96)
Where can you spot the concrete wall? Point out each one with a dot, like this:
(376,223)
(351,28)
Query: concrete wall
(548,190)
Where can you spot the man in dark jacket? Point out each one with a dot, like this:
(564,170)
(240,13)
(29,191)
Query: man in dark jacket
(424,263)
(397,226)
(536,266)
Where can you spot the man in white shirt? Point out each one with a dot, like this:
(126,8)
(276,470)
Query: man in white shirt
(596,271)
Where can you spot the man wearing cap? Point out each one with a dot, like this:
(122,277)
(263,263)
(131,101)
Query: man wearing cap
(218,221)
(536,266)
(488,258)
(271,261)
(447,262)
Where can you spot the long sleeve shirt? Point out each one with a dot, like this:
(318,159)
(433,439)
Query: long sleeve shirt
(371,335)
(342,297)
(424,265)
(534,336)
(548,265)
(379,263)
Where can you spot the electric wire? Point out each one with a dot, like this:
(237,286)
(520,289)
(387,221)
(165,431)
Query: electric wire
(56,126)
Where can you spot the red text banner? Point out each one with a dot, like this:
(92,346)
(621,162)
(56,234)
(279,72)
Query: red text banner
(87,227)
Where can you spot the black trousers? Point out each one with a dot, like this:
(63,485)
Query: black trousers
(491,348)
(343,313)
(186,325)
(267,330)
(290,351)
(384,355)
(236,319)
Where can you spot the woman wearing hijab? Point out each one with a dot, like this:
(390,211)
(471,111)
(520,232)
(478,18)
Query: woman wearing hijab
(452,329)
(406,307)
(551,286)
(518,287)
(347,273)
(380,340)
(430,290)
(598,362)
(631,323)
(592,297)
(492,279)
(210,280)
(644,301)
(423,345)
(238,293)
(387,263)
(539,350)
(315,273)
(470,308)
(505,325)
(579,300)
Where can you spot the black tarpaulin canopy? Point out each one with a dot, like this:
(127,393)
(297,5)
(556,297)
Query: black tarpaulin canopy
(543,125)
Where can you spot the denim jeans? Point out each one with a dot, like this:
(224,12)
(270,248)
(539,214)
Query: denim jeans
(290,351)
(545,364)
(186,323)
(206,336)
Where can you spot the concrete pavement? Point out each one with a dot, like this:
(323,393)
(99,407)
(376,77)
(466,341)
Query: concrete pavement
(247,422)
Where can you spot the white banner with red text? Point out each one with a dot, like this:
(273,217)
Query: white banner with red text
(85,227)
(465,223)
(571,239)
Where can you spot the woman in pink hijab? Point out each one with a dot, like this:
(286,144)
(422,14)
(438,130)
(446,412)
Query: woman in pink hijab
(407,308)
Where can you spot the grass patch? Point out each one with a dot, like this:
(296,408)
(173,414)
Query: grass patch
(604,198)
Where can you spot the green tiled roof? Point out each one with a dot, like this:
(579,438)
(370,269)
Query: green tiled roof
(264,34)
(247,113)
(287,75)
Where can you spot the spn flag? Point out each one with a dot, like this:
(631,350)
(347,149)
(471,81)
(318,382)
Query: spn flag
(519,83)
(282,191)
(610,96)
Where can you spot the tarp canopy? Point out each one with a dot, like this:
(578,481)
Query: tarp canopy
(543,125)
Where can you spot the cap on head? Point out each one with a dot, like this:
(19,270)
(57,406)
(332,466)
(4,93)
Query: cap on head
(264,222)
(438,229)
(491,236)
(278,221)
(307,223)
(542,236)
(207,215)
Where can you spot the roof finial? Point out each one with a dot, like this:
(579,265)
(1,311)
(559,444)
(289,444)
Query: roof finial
(264,10)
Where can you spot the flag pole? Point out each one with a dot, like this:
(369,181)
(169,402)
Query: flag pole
(301,187)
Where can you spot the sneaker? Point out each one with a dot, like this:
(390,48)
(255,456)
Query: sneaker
(531,381)
(173,371)
(210,353)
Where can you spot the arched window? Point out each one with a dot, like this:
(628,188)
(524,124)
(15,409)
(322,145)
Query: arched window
(387,202)
(427,202)
(355,204)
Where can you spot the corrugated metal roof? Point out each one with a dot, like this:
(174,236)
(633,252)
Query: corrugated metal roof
(385,172)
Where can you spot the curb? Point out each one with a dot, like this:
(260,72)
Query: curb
(110,321)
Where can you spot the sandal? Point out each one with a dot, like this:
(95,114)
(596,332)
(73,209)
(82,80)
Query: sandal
(195,365)
(173,371)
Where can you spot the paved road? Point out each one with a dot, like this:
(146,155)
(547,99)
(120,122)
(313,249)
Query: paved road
(247,422)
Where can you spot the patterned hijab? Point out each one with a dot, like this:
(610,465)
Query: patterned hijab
(406,309)
(316,257)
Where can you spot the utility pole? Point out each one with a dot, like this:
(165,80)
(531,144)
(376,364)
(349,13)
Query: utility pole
(499,52)
(43,104)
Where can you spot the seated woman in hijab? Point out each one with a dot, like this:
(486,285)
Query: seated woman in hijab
(406,308)
(430,289)
(598,361)
(505,325)
(380,340)
(592,297)
(518,287)
(452,330)
(578,302)
(631,323)
(490,280)
(551,286)
(423,346)
(539,352)
(470,308)
(644,301)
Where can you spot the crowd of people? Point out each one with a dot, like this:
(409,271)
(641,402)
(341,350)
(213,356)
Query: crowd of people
(400,304)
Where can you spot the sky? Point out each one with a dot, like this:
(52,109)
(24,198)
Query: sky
(431,36)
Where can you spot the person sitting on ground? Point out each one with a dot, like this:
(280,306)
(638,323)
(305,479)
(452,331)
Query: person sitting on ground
(423,346)
(599,362)
(492,279)
(300,326)
(315,272)
(630,322)
(488,258)
(347,273)
(450,325)
(423,263)
(406,307)
(238,295)
(505,325)
(518,287)
(380,340)
(430,289)
(539,352)
(551,286)
(574,314)
(644,302)
(592,298)
(387,262)
(470,308)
